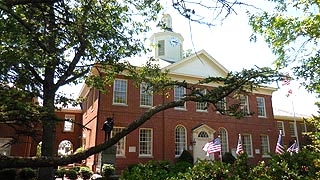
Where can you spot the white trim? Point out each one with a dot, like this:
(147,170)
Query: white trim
(113,95)
(264,107)
(151,148)
(186,137)
(283,130)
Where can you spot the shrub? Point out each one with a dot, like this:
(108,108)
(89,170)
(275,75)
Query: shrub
(27,174)
(155,170)
(205,169)
(180,166)
(228,158)
(186,157)
(85,173)
(60,172)
(72,174)
(76,168)
(108,170)
(8,174)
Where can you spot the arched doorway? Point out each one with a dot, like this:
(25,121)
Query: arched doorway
(65,148)
(201,135)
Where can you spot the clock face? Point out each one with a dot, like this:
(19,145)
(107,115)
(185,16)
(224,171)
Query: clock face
(174,41)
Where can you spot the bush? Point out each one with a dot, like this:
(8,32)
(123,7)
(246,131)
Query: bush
(205,169)
(228,158)
(181,167)
(72,174)
(27,174)
(8,174)
(186,157)
(108,170)
(60,172)
(155,170)
(85,173)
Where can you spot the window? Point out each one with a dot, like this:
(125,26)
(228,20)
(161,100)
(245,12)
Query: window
(222,105)
(247,144)
(222,132)
(120,144)
(179,93)
(181,138)
(244,105)
(65,148)
(291,128)
(203,134)
(161,48)
(5,146)
(145,142)
(265,148)
(120,91)
(303,128)
(201,106)
(280,127)
(261,107)
(69,122)
(145,95)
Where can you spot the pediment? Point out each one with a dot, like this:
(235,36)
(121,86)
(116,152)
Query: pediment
(200,65)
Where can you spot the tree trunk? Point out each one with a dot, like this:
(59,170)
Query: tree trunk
(49,133)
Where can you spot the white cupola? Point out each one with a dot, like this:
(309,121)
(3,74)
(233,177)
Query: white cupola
(167,45)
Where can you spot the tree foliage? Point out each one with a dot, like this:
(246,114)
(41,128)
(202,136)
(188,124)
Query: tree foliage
(46,44)
(292,32)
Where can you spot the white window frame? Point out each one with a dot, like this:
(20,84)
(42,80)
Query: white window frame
(202,106)
(179,96)
(148,143)
(121,144)
(146,95)
(222,104)
(265,145)
(224,140)
(180,140)
(122,91)
(244,105)
(5,150)
(247,145)
(67,123)
(282,126)
(291,129)
(261,107)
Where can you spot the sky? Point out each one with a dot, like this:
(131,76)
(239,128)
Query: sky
(229,44)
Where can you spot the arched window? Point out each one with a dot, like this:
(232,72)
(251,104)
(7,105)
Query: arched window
(181,140)
(65,148)
(203,134)
(222,132)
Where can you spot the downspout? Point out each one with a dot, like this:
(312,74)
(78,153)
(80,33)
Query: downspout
(95,162)
(164,129)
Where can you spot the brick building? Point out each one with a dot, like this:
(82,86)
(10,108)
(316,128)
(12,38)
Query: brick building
(189,127)
(68,136)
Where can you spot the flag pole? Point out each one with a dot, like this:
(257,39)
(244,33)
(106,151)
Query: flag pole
(295,122)
(221,149)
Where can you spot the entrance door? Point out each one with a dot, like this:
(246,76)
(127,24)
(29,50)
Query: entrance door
(201,136)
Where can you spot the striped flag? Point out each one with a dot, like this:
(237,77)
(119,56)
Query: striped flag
(239,146)
(286,80)
(279,146)
(293,148)
(214,146)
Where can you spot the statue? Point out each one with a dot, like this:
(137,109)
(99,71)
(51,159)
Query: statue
(107,127)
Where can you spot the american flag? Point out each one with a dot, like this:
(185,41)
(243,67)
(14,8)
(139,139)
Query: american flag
(293,148)
(279,146)
(239,146)
(214,146)
(286,80)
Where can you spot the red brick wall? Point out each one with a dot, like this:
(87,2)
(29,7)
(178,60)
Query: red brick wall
(164,123)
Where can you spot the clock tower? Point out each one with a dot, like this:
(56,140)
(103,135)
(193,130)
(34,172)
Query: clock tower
(167,45)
